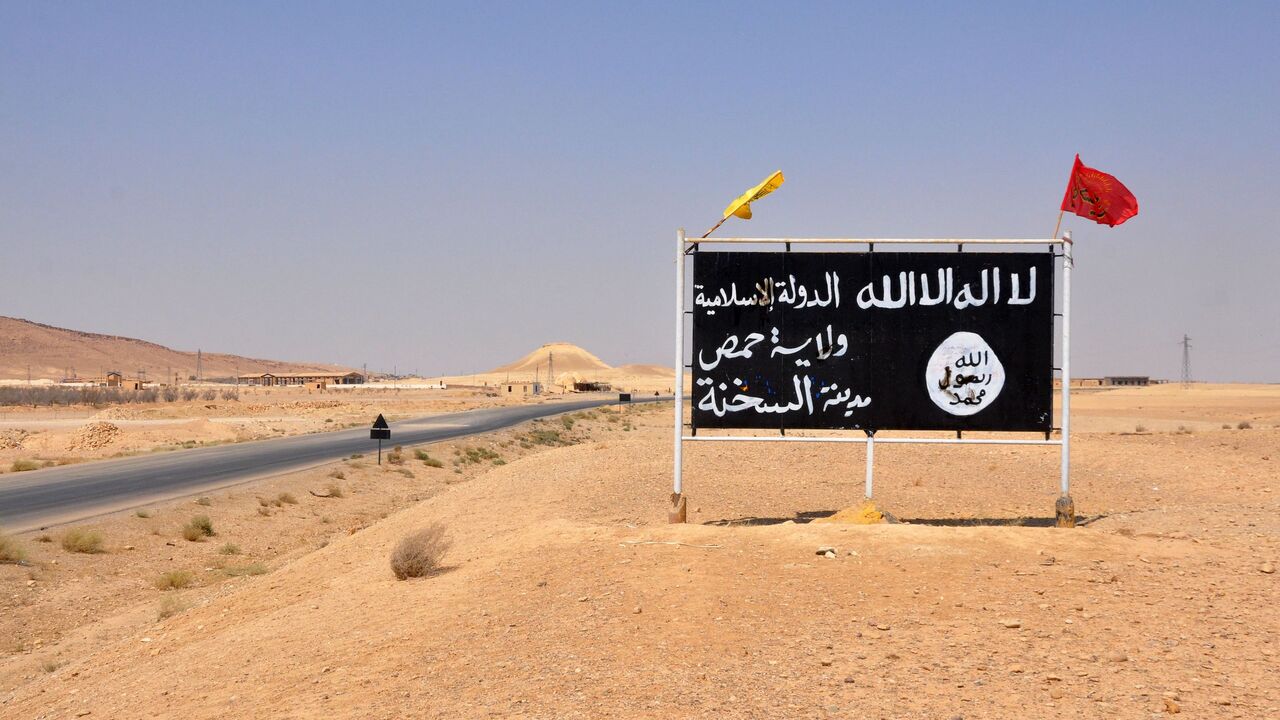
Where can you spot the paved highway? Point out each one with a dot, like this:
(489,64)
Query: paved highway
(40,498)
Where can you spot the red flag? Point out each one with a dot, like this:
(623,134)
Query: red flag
(1098,196)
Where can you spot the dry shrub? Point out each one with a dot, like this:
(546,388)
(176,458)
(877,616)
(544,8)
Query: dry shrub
(142,513)
(229,549)
(204,501)
(264,511)
(1244,425)
(338,475)
(419,554)
(21,465)
(335,490)
(80,540)
(171,605)
(174,580)
(250,569)
(199,528)
(287,498)
(10,550)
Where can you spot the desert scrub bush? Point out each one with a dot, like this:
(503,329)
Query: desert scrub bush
(230,394)
(551,438)
(11,551)
(229,549)
(142,513)
(171,605)
(169,393)
(433,462)
(395,457)
(567,422)
(23,465)
(421,454)
(242,570)
(204,501)
(1184,430)
(287,498)
(264,511)
(406,472)
(338,475)
(335,490)
(478,455)
(209,395)
(1243,425)
(1226,426)
(80,540)
(174,580)
(420,554)
(1140,428)
(356,456)
(198,529)
(189,394)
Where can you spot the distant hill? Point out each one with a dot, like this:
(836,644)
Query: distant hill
(51,351)
(567,357)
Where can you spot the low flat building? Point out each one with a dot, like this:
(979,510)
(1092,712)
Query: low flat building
(1126,380)
(313,379)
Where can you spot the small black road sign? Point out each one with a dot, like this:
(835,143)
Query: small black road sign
(380,430)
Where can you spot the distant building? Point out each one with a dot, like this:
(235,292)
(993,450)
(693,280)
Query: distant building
(116,379)
(1126,380)
(317,380)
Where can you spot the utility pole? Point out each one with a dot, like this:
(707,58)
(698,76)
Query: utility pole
(1186,361)
(551,367)
(199,364)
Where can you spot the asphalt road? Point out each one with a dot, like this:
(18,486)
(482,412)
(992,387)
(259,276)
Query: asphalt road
(40,498)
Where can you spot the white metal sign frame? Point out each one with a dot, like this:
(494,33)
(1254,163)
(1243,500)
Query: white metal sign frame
(1065,508)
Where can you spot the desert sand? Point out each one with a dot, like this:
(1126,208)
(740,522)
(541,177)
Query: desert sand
(567,595)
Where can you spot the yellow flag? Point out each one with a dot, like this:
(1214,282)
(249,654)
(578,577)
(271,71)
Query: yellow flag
(741,206)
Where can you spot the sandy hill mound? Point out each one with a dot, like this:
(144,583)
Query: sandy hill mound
(51,351)
(644,369)
(566,356)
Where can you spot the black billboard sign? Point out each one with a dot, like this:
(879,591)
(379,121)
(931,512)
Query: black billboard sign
(876,340)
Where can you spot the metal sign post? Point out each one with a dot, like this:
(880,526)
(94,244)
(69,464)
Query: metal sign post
(754,367)
(380,431)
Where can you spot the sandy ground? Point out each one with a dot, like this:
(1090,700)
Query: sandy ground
(567,595)
(55,436)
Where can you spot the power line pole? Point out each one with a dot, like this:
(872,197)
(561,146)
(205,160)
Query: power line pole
(199,364)
(1186,361)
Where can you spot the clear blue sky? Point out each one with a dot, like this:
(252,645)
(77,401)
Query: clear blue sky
(443,187)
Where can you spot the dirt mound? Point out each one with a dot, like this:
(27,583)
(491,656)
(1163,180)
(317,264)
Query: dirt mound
(93,436)
(863,514)
(564,357)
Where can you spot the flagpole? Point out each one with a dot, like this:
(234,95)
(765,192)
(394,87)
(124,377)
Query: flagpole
(713,229)
(1055,227)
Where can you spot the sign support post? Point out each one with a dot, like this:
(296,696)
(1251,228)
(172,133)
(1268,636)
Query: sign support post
(1065,507)
(678,506)
(871,461)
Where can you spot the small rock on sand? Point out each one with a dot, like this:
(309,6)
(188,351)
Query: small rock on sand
(1267,568)
(1011,623)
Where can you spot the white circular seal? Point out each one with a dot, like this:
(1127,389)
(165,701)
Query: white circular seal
(964,375)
